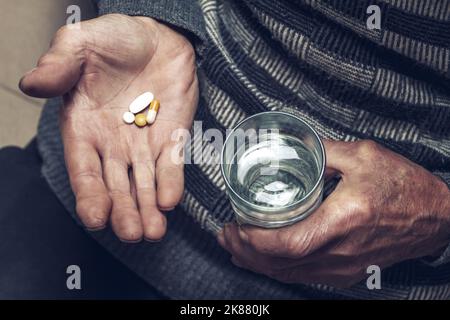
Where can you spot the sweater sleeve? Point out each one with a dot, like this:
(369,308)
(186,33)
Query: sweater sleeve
(183,14)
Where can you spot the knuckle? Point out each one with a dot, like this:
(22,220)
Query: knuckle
(367,148)
(64,33)
(188,56)
(123,203)
(260,244)
(185,51)
(253,241)
(177,153)
(357,205)
(43,60)
(85,176)
(337,209)
(145,189)
(70,36)
(119,195)
(291,243)
(169,172)
(363,204)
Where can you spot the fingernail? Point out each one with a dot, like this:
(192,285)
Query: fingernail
(167,209)
(151,240)
(130,241)
(96,229)
(243,234)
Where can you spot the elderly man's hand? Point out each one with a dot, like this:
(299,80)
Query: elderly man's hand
(118,169)
(386,209)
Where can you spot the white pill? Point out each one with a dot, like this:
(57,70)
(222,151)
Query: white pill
(128,117)
(153,111)
(141,102)
(151,116)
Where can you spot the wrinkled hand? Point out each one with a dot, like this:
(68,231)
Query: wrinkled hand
(385,209)
(115,169)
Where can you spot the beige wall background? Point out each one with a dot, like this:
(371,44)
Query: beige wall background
(26,29)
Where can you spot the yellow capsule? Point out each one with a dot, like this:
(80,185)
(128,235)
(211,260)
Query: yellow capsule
(155,105)
(140,120)
(153,111)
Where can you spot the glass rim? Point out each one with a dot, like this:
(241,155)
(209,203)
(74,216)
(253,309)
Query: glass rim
(296,203)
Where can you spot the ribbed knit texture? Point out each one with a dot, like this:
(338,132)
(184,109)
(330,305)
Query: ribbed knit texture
(183,14)
(316,59)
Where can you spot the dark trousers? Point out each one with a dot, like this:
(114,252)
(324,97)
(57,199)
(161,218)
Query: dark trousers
(39,241)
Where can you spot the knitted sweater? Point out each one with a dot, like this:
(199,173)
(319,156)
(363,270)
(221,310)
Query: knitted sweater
(318,60)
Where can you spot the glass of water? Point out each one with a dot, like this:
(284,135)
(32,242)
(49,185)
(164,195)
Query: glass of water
(273,165)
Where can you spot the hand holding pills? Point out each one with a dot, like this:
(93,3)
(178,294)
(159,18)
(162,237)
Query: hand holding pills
(140,104)
(117,140)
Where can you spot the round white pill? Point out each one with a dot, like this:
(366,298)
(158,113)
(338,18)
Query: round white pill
(128,117)
(141,102)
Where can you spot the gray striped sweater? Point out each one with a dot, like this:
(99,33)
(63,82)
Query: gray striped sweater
(318,60)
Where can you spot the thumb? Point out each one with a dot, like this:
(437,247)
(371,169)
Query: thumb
(58,70)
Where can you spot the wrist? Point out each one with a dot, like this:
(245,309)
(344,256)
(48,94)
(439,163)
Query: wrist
(442,250)
(178,37)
